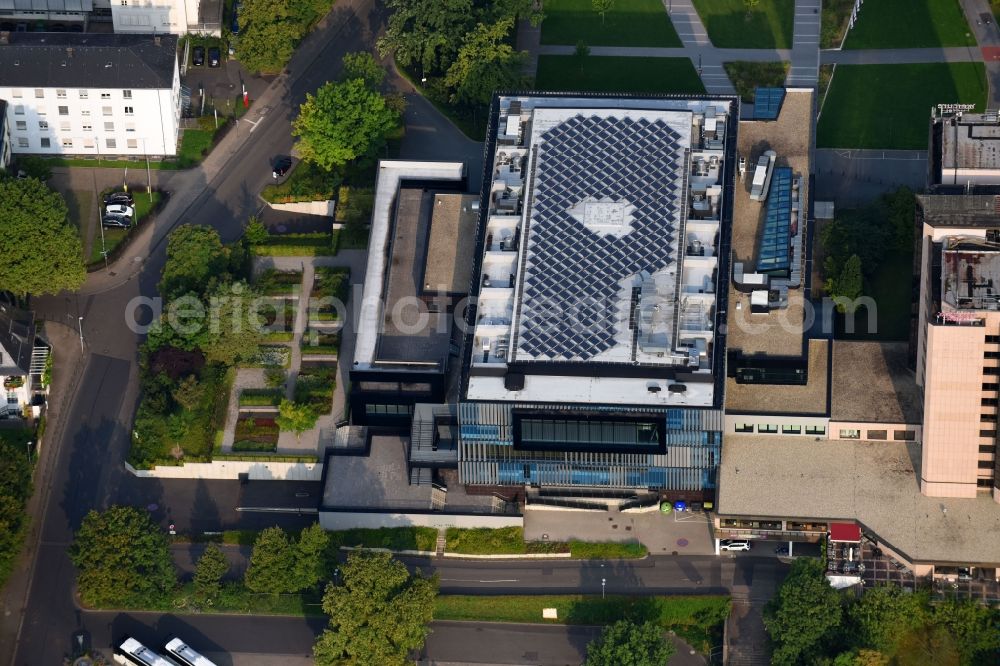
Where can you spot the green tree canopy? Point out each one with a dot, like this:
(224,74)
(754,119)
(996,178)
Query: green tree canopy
(212,566)
(974,627)
(342,122)
(848,285)
(311,556)
(626,643)
(602,7)
(271,29)
(884,613)
(272,563)
(486,62)
(296,417)
(41,252)
(255,232)
(122,558)
(363,65)
(804,615)
(196,261)
(378,615)
(234,331)
(426,33)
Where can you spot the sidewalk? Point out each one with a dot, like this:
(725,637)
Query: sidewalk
(804,69)
(68,363)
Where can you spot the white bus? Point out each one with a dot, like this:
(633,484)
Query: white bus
(182,653)
(133,653)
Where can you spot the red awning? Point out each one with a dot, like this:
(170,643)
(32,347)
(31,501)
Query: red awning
(845,532)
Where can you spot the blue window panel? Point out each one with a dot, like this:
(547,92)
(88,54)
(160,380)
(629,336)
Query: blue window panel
(775,251)
(480,432)
(767,103)
(675,419)
(590,477)
(510,473)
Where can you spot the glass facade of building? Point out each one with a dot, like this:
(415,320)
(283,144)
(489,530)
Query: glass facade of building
(564,445)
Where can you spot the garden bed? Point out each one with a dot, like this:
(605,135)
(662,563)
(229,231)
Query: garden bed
(255,434)
(278,356)
(316,342)
(314,386)
(279,283)
(306,182)
(296,245)
(393,538)
(331,286)
(277,317)
(260,397)
(747,76)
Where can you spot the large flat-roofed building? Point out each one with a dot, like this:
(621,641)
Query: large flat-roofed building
(592,356)
(958,343)
(964,148)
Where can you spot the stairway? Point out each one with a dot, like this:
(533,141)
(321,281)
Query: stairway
(441,541)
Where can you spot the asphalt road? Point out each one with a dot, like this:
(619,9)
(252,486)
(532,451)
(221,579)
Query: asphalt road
(279,639)
(89,472)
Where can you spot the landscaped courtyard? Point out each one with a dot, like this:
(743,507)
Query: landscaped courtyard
(617,74)
(628,23)
(888,106)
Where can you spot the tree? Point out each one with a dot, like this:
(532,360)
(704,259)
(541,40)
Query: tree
(269,31)
(212,566)
(311,556)
(750,5)
(378,615)
(189,393)
(42,253)
(122,558)
(974,627)
(364,66)
(848,284)
(930,645)
(581,53)
(626,643)
(900,209)
(804,615)
(342,122)
(602,7)
(426,33)
(272,563)
(256,233)
(885,613)
(296,416)
(485,63)
(196,261)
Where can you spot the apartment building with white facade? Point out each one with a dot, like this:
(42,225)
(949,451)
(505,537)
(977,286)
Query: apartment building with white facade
(126,16)
(91,94)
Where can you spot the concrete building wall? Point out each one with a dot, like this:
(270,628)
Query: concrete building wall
(149,16)
(344,520)
(94,121)
(953,395)
(231,469)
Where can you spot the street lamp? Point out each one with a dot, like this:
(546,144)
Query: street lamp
(604,582)
(79,325)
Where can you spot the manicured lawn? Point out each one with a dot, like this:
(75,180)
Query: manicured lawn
(836,14)
(106,163)
(697,619)
(629,23)
(768,26)
(825,76)
(890,288)
(746,77)
(510,541)
(195,144)
(887,106)
(78,202)
(617,74)
(901,24)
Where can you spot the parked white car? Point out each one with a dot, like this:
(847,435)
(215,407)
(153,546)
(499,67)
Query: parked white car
(120,209)
(733,544)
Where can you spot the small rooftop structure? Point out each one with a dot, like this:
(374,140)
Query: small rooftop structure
(873,483)
(961,210)
(767,103)
(452,242)
(72,60)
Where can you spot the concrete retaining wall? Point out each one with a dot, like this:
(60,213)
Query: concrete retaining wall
(345,520)
(231,469)
(307,207)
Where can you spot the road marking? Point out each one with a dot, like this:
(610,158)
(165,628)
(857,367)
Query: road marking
(471,580)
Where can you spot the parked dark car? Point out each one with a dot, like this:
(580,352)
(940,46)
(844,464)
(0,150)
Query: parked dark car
(281,167)
(116,221)
(234,26)
(198,56)
(118,198)
(214,56)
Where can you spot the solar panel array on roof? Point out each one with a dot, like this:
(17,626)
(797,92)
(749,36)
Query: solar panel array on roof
(775,250)
(571,287)
(767,103)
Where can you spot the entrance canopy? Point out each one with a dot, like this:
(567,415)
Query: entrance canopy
(845,532)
